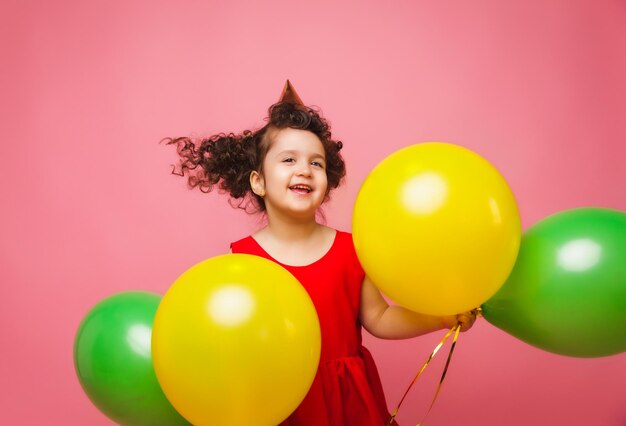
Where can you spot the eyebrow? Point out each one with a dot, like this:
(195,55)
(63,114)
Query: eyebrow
(292,152)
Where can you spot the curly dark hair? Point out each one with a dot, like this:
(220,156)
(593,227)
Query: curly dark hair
(227,160)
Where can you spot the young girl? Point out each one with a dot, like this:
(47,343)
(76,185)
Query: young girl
(287,170)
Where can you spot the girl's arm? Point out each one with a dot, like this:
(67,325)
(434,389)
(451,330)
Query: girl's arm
(395,322)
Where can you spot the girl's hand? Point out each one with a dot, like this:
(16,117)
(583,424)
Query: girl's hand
(466,319)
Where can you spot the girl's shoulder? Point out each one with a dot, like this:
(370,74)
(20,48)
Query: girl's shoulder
(344,249)
(339,238)
(343,245)
(244,245)
(344,235)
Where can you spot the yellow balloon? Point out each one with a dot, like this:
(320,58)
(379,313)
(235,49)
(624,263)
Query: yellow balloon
(236,341)
(436,228)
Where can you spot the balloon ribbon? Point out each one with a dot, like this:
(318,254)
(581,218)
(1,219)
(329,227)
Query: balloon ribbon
(454,330)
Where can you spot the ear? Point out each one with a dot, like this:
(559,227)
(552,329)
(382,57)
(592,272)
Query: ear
(257,183)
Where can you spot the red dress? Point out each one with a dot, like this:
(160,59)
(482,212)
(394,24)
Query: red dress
(346,390)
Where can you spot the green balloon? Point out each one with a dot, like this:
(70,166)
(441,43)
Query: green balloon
(113,361)
(567,291)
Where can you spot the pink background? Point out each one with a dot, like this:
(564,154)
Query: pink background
(90,208)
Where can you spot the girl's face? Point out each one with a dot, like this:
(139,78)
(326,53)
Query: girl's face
(294,174)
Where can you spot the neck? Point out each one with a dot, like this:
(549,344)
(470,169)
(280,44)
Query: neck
(290,229)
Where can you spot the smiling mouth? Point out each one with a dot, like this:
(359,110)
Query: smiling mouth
(301,189)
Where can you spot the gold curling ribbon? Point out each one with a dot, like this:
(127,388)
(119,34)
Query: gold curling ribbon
(456,329)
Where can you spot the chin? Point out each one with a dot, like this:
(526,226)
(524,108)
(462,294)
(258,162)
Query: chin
(303,213)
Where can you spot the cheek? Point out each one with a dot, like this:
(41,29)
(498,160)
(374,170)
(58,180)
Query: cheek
(324,181)
(281,174)
(276,177)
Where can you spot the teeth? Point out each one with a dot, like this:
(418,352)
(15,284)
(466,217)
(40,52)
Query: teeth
(305,188)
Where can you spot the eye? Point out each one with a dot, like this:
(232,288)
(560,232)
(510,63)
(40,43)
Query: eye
(288,160)
(317,164)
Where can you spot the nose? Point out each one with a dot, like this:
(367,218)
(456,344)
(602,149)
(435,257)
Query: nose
(304,169)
